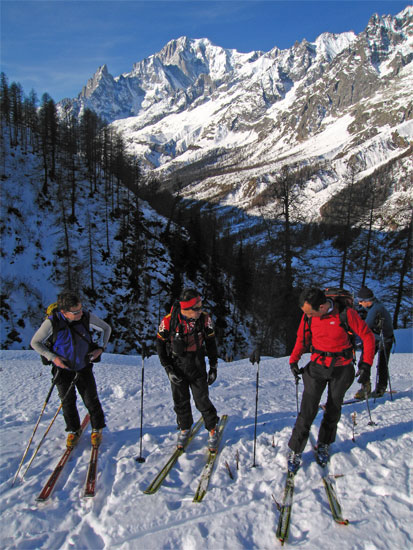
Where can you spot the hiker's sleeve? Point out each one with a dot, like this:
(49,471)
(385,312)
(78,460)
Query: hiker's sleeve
(212,351)
(210,341)
(360,327)
(209,327)
(101,326)
(387,325)
(43,333)
(162,339)
(301,344)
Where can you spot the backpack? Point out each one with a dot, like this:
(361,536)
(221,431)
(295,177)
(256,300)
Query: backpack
(177,345)
(51,313)
(345,300)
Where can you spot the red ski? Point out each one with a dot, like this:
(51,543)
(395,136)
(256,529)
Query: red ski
(90,486)
(51,482)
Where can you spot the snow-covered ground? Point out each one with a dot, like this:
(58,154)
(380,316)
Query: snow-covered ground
(375,490)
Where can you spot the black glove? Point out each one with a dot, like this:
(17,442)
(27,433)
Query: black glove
(173,377)
(212,375)
(363,373)
(145,351)
(92,347)
(295,370)
(255,356)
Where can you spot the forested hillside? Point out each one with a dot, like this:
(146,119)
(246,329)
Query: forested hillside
(73,216)
(79,212)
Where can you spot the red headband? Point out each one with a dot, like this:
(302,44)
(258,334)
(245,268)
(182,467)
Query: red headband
(190,303)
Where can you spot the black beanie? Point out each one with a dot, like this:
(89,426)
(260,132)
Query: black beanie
(365,294)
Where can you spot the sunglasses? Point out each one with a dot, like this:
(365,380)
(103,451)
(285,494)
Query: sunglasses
(196,308)
(75,312)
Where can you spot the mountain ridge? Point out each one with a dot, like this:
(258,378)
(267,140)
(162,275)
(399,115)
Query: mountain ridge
(342,99)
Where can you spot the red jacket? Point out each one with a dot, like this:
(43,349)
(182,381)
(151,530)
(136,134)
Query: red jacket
(327,335)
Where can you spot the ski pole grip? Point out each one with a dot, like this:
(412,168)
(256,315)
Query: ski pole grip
(145,351)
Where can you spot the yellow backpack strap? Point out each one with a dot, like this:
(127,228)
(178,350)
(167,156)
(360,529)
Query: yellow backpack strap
(51,308)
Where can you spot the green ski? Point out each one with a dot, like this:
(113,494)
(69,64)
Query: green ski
(285,509)
(209,466)
(157,482)
(330,488)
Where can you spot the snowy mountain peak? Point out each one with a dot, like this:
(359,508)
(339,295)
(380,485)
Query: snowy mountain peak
(329,45)
(101,77)
(172,52)
(193,104)
(390,26)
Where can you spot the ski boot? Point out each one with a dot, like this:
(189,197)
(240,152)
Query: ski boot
(72,439)
(213,440)
(182,438)
(322,454)
(361,394)
(96,438)
(378,392)
(294,461)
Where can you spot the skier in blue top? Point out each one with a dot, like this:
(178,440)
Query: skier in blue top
(64,339)
(379,321)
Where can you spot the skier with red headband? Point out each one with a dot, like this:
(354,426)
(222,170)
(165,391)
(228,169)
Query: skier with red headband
(184,337)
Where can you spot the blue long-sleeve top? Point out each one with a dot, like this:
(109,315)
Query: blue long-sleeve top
(375,312)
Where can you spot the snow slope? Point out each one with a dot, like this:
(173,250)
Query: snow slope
(235,514)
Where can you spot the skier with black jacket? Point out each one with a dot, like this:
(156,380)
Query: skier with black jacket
(64,339)
(185,335)
(379,320)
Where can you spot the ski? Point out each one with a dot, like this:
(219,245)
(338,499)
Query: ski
(158,480)
(283,526)
(330,489)
(51,482)
(90,485)
(354,400)
(209,465)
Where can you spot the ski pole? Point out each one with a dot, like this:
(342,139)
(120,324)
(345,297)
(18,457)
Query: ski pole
(353,418)
(51,424)
(35,428)
(371,423)
(255,358)
(297,380)
(377,375)
(140,458)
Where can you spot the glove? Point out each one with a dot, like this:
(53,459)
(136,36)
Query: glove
(363,373)
(94,356)
(144,351)
(255,356)
(295,370)
(173,377)
(212,375)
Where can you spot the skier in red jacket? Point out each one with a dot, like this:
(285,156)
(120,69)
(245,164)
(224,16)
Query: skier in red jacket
(332,363)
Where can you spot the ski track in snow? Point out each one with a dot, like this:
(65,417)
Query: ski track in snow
(374,492)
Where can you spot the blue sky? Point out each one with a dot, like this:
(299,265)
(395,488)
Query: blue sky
(56,46)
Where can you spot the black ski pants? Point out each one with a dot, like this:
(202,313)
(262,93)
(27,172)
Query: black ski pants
(86,386)
(382,376)
(192,370)
(316,378)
